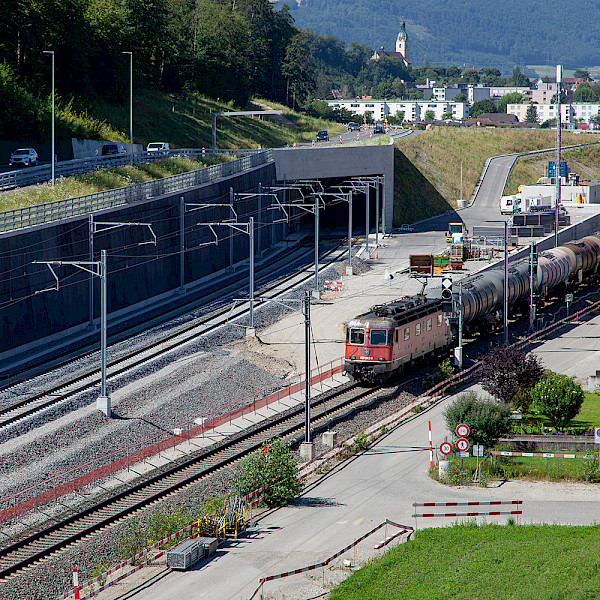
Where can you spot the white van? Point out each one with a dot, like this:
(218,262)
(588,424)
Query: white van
(158,147)
(510,204)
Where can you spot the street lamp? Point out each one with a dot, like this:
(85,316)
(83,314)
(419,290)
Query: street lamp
(52,151)
(130,104)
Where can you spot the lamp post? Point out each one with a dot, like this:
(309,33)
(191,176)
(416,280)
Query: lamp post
(52,150)
(130,104)
(557,169)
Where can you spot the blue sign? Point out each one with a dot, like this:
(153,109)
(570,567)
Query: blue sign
(552,168)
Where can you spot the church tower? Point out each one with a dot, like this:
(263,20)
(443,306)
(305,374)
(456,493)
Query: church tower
(402,42)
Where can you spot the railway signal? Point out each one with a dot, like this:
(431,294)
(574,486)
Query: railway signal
(447,295)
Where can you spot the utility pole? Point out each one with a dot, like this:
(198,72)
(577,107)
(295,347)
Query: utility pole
(558,142)
(458,351)
(532,285)
(349,267)
(52,146)
(505,282)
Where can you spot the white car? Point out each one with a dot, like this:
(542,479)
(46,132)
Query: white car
(158,147)
(23,157)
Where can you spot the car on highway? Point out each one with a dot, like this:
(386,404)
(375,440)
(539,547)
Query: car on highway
(352,126)
(379,129)
(116,148)
(23,157)
(323,136)
(158,147)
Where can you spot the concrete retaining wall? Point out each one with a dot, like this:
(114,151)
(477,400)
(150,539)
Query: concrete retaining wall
(136,272)
(340,161)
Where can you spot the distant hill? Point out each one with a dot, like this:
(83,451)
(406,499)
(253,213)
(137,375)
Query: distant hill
(482,33)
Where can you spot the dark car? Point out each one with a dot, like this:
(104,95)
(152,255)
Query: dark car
(323,136)
(379,129)
(113,149)
(353,126)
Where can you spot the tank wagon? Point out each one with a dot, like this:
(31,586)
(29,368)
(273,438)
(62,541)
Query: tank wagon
(385,339)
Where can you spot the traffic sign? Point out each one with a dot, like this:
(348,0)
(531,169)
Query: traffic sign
(462,445)
(597,435)
(462,454)
(477,450)
(462,430)
(445,448)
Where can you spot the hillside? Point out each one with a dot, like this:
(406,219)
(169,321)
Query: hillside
(427,178)
(473,33)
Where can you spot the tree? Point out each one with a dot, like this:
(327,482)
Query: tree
(462,97)
(482,106)
(447,115)
(531,115)
(323,87)
(514,98)
(559,398)
(505,371)
(297,69)
(429,115)
(582,74)
(487,420)
(517,78)
(272,467)
(585,93)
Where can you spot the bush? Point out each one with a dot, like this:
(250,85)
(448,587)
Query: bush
(559,398)
(274,468)
(487,420)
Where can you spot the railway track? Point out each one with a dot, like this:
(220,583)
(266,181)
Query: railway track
(328,408)
(36,403)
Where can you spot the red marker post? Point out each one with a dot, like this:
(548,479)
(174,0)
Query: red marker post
(430,447)
(76,583)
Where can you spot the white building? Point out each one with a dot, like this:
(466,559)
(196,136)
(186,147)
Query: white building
(587,193)
(414,110)
(568,112)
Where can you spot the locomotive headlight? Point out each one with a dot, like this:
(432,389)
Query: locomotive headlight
(353,358)
(381,358)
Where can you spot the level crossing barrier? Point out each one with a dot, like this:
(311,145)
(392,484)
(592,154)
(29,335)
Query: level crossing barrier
(71,207)
(474,506)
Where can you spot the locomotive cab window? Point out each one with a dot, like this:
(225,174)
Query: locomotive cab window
(378,337)
(406,333)
(429,324)
(418,329)
(357,336)
(439,320)
(396,336)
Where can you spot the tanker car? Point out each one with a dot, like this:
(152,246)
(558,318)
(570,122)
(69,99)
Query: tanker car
(382,341)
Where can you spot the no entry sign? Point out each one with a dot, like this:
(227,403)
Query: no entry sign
(445,448)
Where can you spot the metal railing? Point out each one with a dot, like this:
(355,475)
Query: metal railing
(71,207)
(33,175)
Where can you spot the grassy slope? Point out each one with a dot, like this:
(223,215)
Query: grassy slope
(432,184)
(585,161)
(185,122)
(488,563)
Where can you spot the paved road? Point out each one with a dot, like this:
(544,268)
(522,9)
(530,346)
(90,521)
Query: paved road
(356,136)
(381,483)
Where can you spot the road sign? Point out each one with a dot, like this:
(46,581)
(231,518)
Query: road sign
(569,298)
(462,430)
(445,448)
(597,435)
(477,450)
(462,445)
(462,454)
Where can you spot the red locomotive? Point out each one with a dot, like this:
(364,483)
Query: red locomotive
(382,341)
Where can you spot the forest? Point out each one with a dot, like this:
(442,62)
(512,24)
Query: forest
(501,33)
(227,49)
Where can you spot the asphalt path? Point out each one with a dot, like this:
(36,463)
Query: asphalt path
(343,505)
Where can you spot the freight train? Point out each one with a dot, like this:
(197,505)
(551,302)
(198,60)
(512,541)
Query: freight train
(389,337)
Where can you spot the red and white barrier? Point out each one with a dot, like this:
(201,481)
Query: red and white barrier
(405,529)
(468,514)
(75,584)
(336,286)
(430,447)
(537,454)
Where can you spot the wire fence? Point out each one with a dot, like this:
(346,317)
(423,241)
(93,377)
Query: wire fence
(71,207)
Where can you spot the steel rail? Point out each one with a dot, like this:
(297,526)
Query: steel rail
(326,409)
(59,393)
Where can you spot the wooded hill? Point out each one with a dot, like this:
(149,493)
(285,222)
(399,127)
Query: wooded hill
(481,33)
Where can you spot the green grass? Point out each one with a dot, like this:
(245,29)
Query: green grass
(103,179)
(585,161)
(489,562)
(185,122)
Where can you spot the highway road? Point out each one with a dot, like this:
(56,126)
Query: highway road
(364,135)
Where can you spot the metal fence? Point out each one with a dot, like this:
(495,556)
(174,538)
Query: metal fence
(71,207)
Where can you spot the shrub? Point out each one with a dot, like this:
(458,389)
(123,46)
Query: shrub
(559,398)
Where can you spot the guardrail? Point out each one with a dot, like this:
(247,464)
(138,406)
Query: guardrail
(71,207)
(32,175)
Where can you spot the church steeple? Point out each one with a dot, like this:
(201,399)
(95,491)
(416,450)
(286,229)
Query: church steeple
(402,41)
